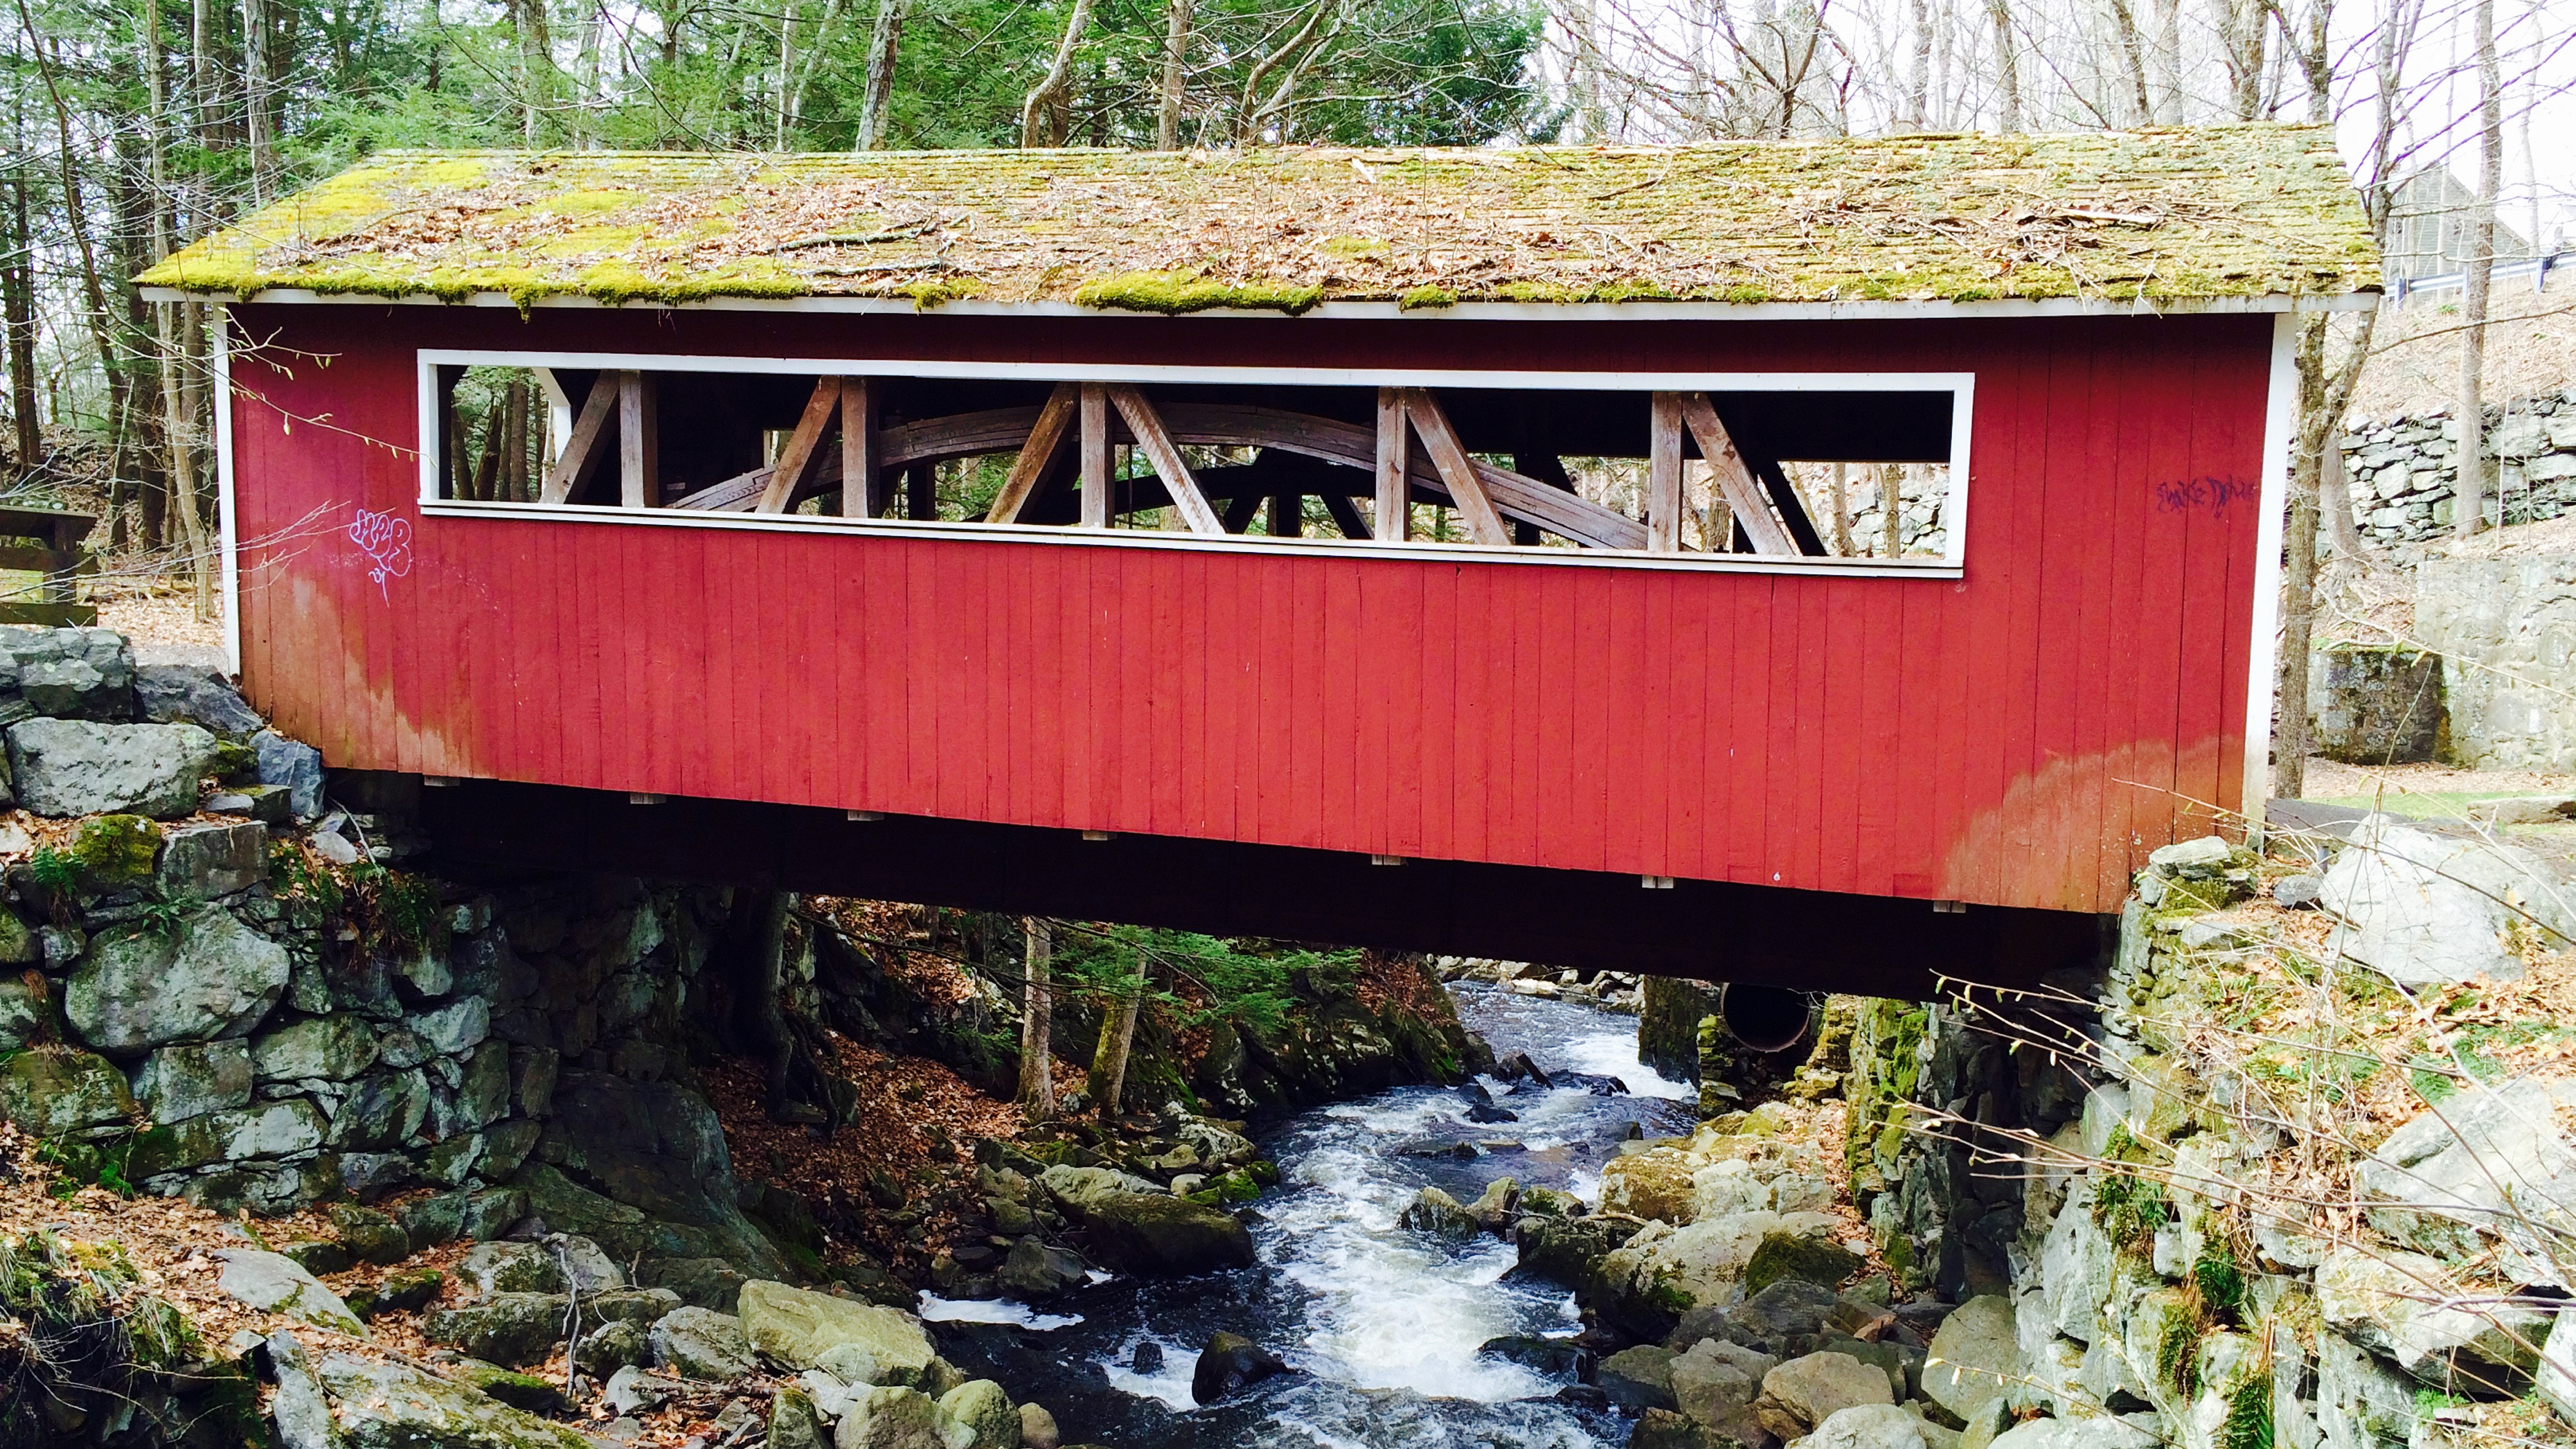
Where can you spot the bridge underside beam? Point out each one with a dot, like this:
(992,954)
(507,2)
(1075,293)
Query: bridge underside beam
(1809,940)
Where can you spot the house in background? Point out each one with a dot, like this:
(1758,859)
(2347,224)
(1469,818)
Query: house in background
(2428,236)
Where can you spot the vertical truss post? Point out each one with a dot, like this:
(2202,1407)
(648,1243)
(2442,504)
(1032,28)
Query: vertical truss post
(1095,456)
(1394,458)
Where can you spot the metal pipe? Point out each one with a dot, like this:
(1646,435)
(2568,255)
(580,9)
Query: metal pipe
(1765,1018)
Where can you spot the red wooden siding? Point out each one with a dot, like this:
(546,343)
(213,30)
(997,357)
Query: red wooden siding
(2019,736)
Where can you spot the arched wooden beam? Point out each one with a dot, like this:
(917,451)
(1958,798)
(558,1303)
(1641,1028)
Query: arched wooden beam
(1217,425)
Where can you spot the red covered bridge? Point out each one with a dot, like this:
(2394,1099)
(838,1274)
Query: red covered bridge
(1808,562)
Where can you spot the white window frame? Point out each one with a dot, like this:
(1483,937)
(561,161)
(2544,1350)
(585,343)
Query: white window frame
(1960,385)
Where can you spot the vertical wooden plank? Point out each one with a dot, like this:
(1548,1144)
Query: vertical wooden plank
(639,441)
(1470,719)
(863,493)
(2026,582)
(1393,517)
(1816,654)
(1852,668)
(2227,434)
(1341,648)
(2058,845)
(1664,474)
(1407,664)
(1786,829)
(1438,750)
(1698,752)
(1095,455)
(1170,759)
(1596,612)
(1646,723)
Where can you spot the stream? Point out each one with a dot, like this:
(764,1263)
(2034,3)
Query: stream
(1382,1323)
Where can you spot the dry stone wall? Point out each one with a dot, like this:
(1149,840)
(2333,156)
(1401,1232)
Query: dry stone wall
(220,987)
(2404,478)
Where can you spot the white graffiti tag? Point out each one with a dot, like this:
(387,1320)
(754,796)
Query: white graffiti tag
(386,541)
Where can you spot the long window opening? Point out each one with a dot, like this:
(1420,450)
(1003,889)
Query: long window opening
(1792,472)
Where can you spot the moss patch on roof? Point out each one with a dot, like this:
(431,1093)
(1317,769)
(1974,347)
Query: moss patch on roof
(2157,215)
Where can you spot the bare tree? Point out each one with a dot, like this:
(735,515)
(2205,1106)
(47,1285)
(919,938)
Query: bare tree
(1176,49)
(2477,276)
(1037,1008)
(2007,66)
(1108,1083)
(885,39)
(1043,116)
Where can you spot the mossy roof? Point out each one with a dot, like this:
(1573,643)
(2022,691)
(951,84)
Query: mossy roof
(2175,215)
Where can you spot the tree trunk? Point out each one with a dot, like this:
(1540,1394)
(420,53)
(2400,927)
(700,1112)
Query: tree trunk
(1842,510)
(1042,115)
(1580,23)
(767,1013)
(1918,74)
(785,112)
(258,116)
(1176,47)
(2334,504)
(536,66)
(2007,65)
(18,313)
(1108,1082)
(1891,509)
(885,40)
(2478,276)
(176,427)
(2133,60)
(1037,1027)
(2299,573)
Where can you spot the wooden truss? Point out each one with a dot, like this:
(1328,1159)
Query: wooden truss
(1062,452)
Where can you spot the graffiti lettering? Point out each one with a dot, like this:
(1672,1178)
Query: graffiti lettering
(2212,495)
(386,541)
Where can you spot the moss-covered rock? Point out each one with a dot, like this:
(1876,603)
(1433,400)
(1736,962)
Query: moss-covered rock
(1798,1255)
(53,1091)
(382,1405)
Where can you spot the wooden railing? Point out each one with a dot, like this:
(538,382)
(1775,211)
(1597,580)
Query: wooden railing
(48,542)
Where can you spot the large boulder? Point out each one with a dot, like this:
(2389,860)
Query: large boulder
(2408,1308)
(144,985)
(1867,1426)
(899,1418)
(2489,1160)
(1974,1356)
(1077,1187)
(1436,1212)
(1156,1235)
(326,1048)
(698,1344)
(1638,1379)
(275,1283)
(2361,1404)
(1804,1392)
(657,1149)
(269,1129)
(987,1413)
(2425,909)
(384,1405)
(51,1091)
(1231,1362)
(797,1329)
(1656,1183)
(201,862)
(68,767)
(72,673)
(193,694)
(1716,1382)
(26,1009)
(293,766)
(510,1329)
(180,1082)
(2557,1375)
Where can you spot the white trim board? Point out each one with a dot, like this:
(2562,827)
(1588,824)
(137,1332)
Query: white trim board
(1960,385)
(2280,408)
(1153,538)
(225,523)
(1367,311)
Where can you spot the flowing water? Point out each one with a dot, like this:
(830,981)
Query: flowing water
(1382,1322)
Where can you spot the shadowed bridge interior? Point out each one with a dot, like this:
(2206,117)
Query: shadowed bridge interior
(1716,931)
